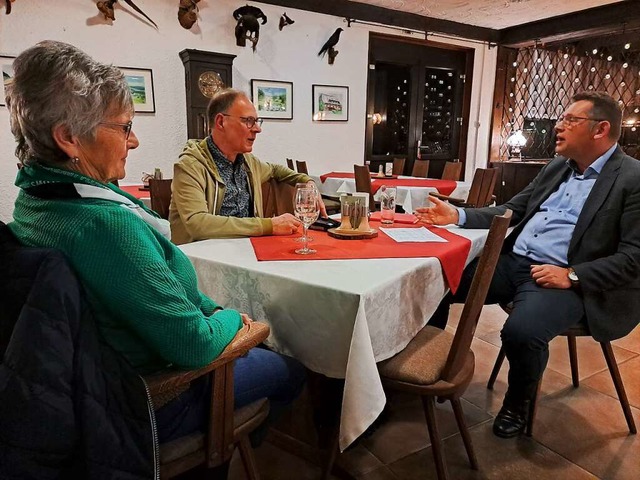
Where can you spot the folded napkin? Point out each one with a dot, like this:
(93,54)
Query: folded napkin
(399,217)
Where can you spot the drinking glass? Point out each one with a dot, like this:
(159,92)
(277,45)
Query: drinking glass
(307,210)
(387,204)
(299,186)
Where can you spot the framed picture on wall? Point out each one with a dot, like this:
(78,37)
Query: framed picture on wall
(6,68)
(330,103)
(140,81)
(272,99)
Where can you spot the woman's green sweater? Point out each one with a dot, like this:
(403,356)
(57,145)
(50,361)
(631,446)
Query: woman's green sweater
(142,288)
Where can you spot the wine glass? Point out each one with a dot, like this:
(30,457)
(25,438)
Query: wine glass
(307,210)
(299,186)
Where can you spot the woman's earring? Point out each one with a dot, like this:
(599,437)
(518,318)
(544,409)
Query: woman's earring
(75,160)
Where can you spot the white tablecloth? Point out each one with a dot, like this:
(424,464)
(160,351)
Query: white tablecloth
(409,198)
(337,317)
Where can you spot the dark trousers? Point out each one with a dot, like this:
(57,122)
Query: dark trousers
(539,314)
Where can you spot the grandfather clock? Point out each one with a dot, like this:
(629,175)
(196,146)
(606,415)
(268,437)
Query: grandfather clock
(205,74)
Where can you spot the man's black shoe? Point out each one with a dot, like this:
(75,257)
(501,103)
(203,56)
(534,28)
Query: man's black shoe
(510,422)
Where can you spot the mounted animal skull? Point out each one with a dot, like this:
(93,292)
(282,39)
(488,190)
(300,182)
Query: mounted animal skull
(187,13)
(248,27)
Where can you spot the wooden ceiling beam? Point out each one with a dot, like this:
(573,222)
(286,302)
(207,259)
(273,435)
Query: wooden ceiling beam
(613,18)
(386,16)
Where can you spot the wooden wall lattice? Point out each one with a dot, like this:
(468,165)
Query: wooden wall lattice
(539,83)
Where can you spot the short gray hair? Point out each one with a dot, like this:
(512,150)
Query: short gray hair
(55,83)
(221,102)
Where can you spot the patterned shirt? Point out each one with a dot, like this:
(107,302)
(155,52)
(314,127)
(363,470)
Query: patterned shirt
(237,195)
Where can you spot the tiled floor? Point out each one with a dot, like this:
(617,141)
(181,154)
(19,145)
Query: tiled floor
(578,433)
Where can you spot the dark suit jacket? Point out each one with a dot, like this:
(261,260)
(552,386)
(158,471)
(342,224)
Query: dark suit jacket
(605,246)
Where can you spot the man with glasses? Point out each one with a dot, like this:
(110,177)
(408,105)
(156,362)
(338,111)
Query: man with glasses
(217,182)
(574,254)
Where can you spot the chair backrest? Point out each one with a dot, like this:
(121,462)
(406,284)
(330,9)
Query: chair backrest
(420,168)
(363,183)
(398,166)
(160,191)
(277,198)
(302,167)
(476,296)
(452,171)
(481,191)
(290,164)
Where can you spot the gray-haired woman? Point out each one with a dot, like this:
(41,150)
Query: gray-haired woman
(72,120)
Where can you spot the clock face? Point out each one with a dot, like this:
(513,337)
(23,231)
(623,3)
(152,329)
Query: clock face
(209,83)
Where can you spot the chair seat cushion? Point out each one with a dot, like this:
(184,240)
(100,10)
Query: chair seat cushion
(423,359)
(183,446)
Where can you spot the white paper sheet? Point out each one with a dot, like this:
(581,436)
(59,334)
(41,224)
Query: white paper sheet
(412,235)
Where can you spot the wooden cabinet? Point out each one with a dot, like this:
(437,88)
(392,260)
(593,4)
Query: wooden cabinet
(514,176)
(205,74)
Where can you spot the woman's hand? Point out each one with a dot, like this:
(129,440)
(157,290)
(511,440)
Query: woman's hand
(246,320)
(440,214)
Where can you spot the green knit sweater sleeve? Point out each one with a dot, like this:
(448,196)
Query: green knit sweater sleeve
(152,288)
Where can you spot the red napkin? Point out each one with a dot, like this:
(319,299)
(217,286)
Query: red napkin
(408,218)
(452,254)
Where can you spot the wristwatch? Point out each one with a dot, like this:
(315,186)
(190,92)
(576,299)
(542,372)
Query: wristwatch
(573,278)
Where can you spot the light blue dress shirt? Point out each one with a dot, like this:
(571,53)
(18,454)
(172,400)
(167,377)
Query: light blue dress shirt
(545,237)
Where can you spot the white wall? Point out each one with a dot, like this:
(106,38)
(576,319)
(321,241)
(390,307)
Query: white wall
(288,55)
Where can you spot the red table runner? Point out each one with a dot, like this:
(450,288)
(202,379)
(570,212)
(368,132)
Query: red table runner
(134,190)
(452,255)
(444,187)
(407,218)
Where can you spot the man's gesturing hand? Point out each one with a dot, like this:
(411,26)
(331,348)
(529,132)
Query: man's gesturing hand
(440,214)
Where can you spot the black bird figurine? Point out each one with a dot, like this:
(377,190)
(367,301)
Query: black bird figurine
(284,21)
(332,42)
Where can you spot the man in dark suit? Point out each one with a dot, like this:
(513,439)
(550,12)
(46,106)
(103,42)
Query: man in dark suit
(574,254)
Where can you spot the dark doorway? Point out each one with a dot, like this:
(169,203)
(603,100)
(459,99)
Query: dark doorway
(418,99)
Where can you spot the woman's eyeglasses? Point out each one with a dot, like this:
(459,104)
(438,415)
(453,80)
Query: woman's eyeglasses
(248,121)
(126,127)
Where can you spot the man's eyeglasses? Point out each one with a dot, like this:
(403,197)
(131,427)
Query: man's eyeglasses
(569,121)
(248,121)
(126,127)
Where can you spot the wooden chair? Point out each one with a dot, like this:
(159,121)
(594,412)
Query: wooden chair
(290,164)
(160,191)
(363,183)
(480,193)
(398,166)
(437,363)
(581,330)
(420,168)
(452,171)
(302,167)
(277,198)
(227,427)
